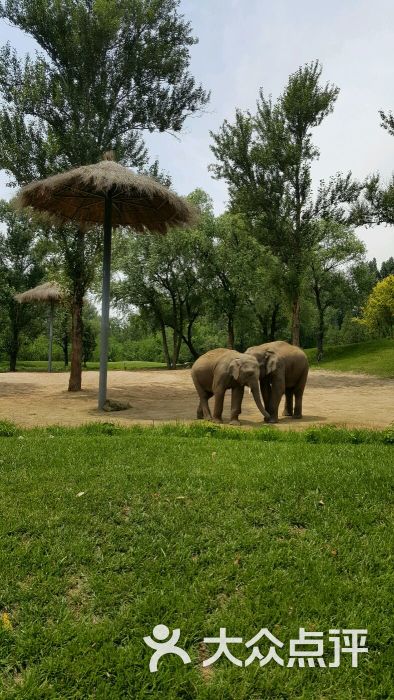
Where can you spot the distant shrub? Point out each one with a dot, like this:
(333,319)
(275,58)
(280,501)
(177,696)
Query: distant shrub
(352,331)
(38,350)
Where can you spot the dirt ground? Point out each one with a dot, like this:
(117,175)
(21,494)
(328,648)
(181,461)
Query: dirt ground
(35,398)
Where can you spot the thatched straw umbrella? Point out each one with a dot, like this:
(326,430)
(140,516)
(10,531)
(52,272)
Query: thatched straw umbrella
(110,194)
(47,293)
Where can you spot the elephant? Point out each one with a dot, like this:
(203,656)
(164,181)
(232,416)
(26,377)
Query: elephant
(283,370)
(221,369)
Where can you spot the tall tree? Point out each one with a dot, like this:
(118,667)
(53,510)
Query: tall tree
(108,71)
(362,277)
(161,277)
(387,268)
(337,246)
(20,269)
(266,160)
(377,205)
(232,268)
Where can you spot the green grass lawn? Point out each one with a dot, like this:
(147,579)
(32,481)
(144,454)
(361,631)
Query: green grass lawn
(372,357)
(106,532)
(42,366)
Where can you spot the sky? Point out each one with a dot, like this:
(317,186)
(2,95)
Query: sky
(248,44)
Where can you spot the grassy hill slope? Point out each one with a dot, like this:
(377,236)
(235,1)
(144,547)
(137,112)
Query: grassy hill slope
(372,357)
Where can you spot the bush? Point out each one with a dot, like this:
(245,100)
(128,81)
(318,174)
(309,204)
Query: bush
(352,331)
(38,350)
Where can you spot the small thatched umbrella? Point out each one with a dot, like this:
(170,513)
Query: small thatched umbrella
(110,194)
(47,293)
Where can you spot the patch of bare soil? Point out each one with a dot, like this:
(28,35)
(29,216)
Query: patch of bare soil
(33,398)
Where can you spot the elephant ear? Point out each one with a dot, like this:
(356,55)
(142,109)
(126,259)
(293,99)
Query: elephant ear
(235,368)
(271,361)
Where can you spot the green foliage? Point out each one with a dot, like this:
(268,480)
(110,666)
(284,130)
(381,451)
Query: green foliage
(378,314)
(386,268)
(377,205)
(351,332)
(37,349)
(89,341)
(160,277)
(106,71)
(20,269)
(235,270)
(217,273)
(336,245)
(266,161)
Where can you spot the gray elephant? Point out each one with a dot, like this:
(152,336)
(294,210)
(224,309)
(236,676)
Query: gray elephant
(283,370)
(222,369)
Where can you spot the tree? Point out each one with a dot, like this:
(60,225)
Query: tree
(266,161)
(337,246)
(20,269)
(377,205)
(233,272)
(362,277)
(62,329)
(386,268)
(108,71)
(387,121)
(161,278)
(89,342)
(378,313)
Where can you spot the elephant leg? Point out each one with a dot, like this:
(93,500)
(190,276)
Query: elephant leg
(203,410)
(288,409)
(298,407)
(298,394)
(265,388)
(237,394)
(277,391)
(200,410)
(218,407)
(298,404)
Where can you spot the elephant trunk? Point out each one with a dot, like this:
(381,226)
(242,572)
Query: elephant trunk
(256,395)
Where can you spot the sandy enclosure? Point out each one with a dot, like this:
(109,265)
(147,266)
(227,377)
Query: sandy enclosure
(35,398)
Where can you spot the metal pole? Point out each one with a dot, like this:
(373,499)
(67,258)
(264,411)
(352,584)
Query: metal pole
(105,302)
(50,336)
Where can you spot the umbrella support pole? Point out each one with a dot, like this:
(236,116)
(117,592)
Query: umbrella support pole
(51,305)
(105,302)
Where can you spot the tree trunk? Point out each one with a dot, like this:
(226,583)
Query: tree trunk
(274,318)
(320,340)
(176,351)
(75,380)
(165,343)
(263,320)
(230,332)
(194,353)
(14,345)
(65,349)
(189,339)
(321,329)
(295,321)
(13,358)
